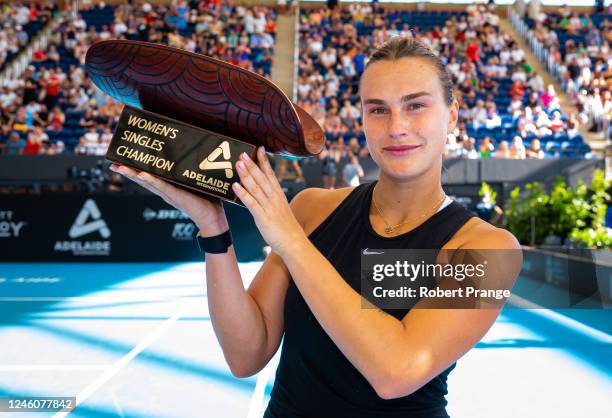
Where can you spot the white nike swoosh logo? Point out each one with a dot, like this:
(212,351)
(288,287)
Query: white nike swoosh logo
(366,252)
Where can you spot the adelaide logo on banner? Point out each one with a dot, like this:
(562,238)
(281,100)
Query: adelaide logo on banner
(88,221)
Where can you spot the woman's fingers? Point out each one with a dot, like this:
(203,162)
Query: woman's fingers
(245,197)
(253,179)
(264,164)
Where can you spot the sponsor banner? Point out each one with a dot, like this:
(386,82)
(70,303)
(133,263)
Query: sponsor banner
(10,224)
(110,228)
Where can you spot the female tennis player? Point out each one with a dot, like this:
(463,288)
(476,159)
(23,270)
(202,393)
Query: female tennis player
(339,359)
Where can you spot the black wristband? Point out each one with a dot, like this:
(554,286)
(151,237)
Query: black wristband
(217,244)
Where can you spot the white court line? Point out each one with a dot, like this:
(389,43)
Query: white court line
(256,406)
(561,319)
(52,367)
(125,360)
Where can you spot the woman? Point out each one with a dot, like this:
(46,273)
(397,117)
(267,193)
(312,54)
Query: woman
(56,119)
(486,147)
(503,151)
(535,149)
(339,360)
(352,171)
(517,149)
(330,158)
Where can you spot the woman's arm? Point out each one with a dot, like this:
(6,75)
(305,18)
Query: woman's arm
(248,323)
(396,357)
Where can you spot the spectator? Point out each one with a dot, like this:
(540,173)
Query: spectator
(56,119)
(517,149)
(503,151)
(352,172)
(469,150)
(535,151)
(486,148)
(15,145)
(33,144)
(549,97)
(330,157)
(51,85)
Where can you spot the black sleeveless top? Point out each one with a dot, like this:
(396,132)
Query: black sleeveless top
(314,379)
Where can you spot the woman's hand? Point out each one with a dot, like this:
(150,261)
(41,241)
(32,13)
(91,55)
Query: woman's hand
(260,191)
(208,215)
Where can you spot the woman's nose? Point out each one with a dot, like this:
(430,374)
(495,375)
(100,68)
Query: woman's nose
(398,125)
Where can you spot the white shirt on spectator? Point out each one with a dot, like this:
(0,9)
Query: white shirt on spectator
(100,148)
(260,23)
(249,23)
(493,121)
(328,58)
(33,107)
(315,78)
(537,83)
(80,24)
(453,68)
(352,111)
(7,99)
(480,117)
(91,138)
(331,87)
(23,15)
(471,154)
(120,28)
(519,75)
(267,41)
(504,56)
(493,19)
(518,55)
(316,46)
(304,89)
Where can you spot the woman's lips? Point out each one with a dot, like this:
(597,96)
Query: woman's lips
(400,149)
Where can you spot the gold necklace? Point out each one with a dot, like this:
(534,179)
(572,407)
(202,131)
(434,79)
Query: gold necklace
(388,228)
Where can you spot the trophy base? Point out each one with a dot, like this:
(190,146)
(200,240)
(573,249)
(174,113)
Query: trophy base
(195,159)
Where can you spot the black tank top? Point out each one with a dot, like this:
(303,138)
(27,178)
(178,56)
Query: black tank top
(314,379)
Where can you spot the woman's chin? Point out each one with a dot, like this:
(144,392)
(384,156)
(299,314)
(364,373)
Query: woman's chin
(403,170)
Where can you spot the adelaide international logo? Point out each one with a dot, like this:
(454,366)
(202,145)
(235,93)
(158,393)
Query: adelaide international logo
(88,221)
(211,162)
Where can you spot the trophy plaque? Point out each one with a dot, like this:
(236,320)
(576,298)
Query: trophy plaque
(188,117)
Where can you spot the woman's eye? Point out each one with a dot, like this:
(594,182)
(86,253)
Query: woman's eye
(415,106)
(378,110)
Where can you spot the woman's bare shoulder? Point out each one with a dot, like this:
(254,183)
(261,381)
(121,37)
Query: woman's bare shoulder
(477,233)
(313,205)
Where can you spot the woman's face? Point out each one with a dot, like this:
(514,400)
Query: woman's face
(403,104)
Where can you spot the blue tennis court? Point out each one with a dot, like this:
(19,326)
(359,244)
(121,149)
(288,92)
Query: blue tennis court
(135,340)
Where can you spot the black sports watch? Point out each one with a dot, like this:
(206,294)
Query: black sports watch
(217,244)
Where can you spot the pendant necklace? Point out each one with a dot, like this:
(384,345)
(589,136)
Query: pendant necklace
(389,228)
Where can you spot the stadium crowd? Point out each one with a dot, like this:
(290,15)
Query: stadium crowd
(54,108)
(579,47)
(506,110)
(19,24)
